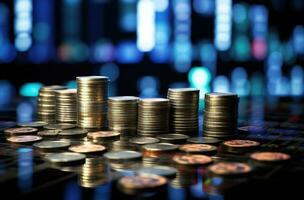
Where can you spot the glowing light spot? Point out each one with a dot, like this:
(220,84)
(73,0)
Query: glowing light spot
(30,89)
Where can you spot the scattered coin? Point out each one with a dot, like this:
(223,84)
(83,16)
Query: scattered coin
(60,126)
(173,138)
(204,140)
(270,156)
(24,139)
(103,135)
(141,183)
(198,148)
(194,159)
(241,143)
(88,148)
(160,147)
(21,131)
(49,133)
(66,158)
(77,132)
(123,156)
(52,145)
(165,171)
(230,168)
(35,124)
(143,140)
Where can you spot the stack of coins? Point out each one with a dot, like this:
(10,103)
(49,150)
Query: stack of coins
(122,114)
(221,111)
(92,94)
(47,103)
(184,103)
(153,116)
(66,106)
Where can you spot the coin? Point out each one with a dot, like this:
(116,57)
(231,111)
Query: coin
(52,145)
(198,148)
(66,110)
(173,138)
(270,156)
(60,126)
(141,183)
(21,131)
(88,148)
(230,168)
(48,133)
(6,124)
(165,171)
(143,140)
(123,155)
(36,124)
(241,143)
(103,135)
(66,158)
(194,159)
(160,147)
(24,139)
(204,140)
(77,132)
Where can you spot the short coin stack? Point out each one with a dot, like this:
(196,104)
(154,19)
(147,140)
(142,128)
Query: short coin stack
(66,106)
(220,117)
(122,114)
(92,96)
(47,103)
(153,116)
(184,103)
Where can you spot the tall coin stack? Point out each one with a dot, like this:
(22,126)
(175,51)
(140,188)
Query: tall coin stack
(184,103)
(47,103)
(66,106)
(92,96)
(220,117)
(153,116)
(122,114)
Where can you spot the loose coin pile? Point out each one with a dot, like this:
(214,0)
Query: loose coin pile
(47,103)
(184,103)
(66,106)
(122,114)
(92,94)
(153,116)
(220,118)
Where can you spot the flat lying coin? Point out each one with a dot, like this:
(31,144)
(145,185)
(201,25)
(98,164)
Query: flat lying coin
(270,156)
(36,124)
(230,168)
(88,148)
(143,140)
(141,183)
(162,147)
(204,140)
(158,170)
(77,132)
(60,126)
(66,158)
(21,131)
(198,148)
(241,143)
(48,133)
(24,139)
(103,135)
(52,145)
(173,138)
(194,159)
(123,155)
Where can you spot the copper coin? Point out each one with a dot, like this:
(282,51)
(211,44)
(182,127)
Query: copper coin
(230,168)
(87,148)
(197,148)
(20,131)
(24,139)
(101,135)
(142,182)
(194,159)
(241,143)
(270,156)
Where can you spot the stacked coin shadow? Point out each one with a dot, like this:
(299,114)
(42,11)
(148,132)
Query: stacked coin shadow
(153,116)
(184,103)
(220,115)
(92,94)
(66,107)
(122,114)
(46,105)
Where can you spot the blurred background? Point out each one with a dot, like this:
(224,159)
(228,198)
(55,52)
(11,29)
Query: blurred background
(146,46)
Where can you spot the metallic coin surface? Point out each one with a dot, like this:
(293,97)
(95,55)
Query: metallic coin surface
(143,140)
(204,140)
(270,156)
(160,147)
(60,126)
(35,124)
(158,170)
(48,145)
(88,148)
(65,158)
(123,155)
(173,138)
(24,139)
(241,143)
(100,135)
(194,159)
(21,131)
(197,148)
(48,133)
(230,168)
(73,132)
